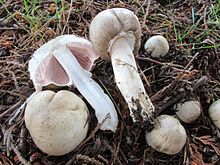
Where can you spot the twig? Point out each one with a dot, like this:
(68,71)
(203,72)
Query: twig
(46,2)
(88,160)
(110,148)
(200,82)
(119,143)
(146,13)
(93,132)
(145,79)
(182,94)
(68,17)
(15,114)
(10,28)
(123,155)
(159,93)
(14,79)
(23,145)
(21,159)
(14,94)
(88,138)
(194,57)
(7,138)
(4,160)
(103,159)
(173,66)
(22,107)
(10,109)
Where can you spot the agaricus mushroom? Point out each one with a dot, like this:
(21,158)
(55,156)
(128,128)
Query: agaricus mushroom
(44,68)
(188,111)
(57,122)
(115,34)
(66,60)
(168,135)
(157,46)
(214,113)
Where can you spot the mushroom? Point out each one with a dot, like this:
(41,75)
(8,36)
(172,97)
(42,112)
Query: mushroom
(57,122)
(66,60)
(115,34)
(44,68)
(188,111)
(168,135)
(214,113)
(157,46)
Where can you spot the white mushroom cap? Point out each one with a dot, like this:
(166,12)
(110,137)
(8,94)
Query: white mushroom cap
(168,135)
(214,113)
(157,46)
(57,122)
(188,111)
(112,23)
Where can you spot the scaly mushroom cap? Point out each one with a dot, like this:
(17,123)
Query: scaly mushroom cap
(214,113)
(168,135)
(188,111)
(110,23)
(45,69)
(57,122)
(157,46)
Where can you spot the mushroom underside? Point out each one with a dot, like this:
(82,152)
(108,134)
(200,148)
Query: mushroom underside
(51,71)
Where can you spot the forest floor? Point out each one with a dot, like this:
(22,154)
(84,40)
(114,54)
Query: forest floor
(190,70)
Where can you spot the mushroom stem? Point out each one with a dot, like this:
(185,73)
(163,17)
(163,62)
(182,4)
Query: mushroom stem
(129,81)
(92,92)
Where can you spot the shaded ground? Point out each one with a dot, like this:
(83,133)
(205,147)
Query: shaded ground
(192,29)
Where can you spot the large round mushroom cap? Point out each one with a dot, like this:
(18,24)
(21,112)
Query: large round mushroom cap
(168,135)
(214,113)
(57,122)
(110,23)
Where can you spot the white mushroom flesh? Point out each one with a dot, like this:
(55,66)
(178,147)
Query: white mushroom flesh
(214,113)
(57,122)
(157,46)
(168,135)
(188,111)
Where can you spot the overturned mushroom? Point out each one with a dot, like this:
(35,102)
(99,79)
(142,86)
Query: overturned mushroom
(115,34)
(168,135)
(66,60)
(214,113)
(188,111)
(57,122)
(45,69)
(157,46)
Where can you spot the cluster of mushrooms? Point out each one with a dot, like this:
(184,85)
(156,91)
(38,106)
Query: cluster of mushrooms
(58,122)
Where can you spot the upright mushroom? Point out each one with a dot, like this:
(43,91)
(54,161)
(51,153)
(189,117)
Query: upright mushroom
(115,34)
(66,60)
(57,122)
